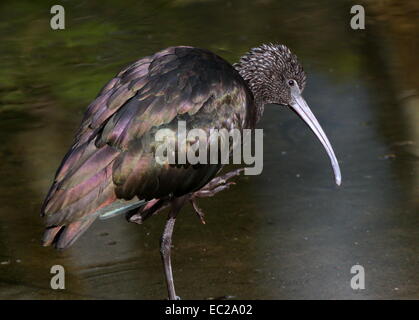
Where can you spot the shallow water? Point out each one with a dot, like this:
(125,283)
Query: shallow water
(286,234)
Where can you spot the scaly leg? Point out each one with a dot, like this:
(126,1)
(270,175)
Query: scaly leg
(156,205)
(166,246)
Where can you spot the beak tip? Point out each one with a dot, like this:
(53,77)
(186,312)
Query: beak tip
(338,181)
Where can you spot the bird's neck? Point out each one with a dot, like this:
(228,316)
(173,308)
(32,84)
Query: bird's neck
(254,81)
(259,100)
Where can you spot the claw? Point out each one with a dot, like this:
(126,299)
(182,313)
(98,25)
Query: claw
(198,211)
(221,180)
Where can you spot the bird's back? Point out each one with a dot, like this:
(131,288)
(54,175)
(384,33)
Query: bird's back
(112,156)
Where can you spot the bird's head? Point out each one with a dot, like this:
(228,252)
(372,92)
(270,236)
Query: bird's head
(275,76)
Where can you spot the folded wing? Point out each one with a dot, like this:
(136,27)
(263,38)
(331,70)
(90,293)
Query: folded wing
(112,156)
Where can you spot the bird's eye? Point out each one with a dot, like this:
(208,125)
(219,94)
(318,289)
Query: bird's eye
(291,82)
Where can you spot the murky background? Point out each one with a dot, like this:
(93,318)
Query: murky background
(288,233)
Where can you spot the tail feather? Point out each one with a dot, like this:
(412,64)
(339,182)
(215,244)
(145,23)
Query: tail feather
(71,233)
(50,234)
(64,236)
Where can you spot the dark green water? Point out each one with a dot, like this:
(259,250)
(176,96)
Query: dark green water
(288,233)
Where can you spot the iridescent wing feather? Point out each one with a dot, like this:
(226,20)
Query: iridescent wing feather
(112,159)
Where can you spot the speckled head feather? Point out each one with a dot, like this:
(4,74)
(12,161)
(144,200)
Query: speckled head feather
(267,70)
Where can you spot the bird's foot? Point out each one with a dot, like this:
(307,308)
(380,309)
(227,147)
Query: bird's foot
(217,184)
(213,187)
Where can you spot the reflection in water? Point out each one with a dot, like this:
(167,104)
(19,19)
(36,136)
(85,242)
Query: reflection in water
(288,233)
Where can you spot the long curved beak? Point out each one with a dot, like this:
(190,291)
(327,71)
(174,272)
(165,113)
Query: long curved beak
(299,105)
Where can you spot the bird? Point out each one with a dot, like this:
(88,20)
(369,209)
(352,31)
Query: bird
(111,167)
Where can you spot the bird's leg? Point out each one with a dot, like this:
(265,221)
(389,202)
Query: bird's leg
(165,248)
(216,185)
(166,245)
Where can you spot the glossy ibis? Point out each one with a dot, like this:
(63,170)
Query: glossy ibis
(111,167)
